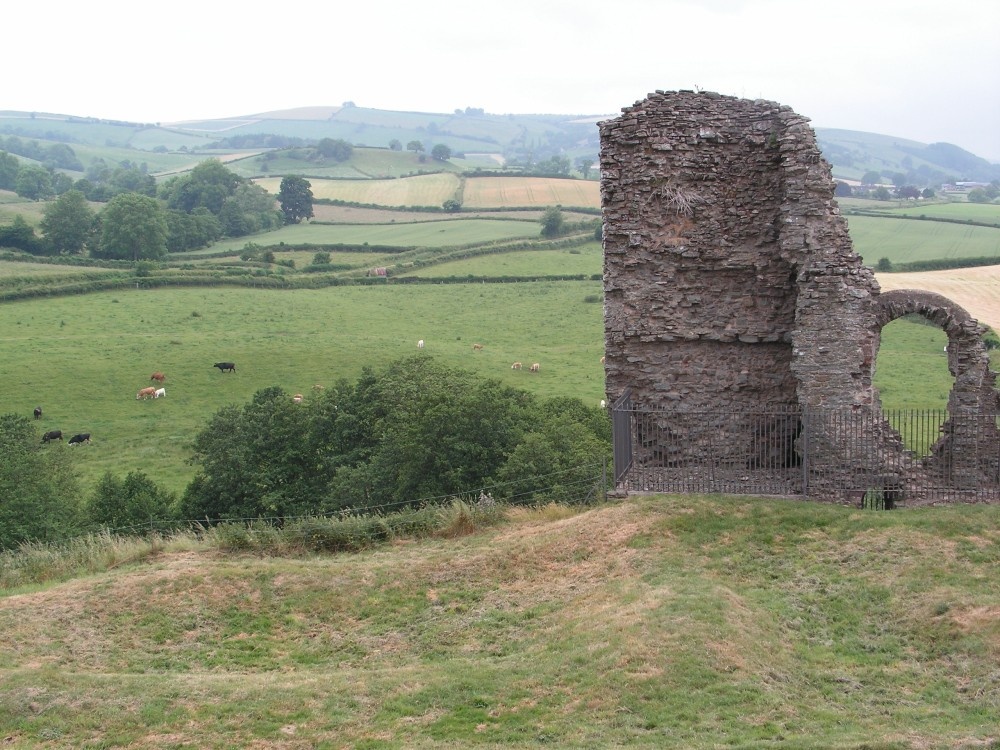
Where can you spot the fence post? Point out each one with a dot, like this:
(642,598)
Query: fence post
(604,478)
(805,451)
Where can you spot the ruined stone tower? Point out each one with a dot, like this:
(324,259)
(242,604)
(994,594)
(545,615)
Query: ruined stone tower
(731,285)
(730,279)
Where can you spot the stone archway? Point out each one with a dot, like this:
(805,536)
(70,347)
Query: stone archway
(967,451)
(968,360)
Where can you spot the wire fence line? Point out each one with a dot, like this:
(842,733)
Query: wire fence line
(866,457)
(589,483)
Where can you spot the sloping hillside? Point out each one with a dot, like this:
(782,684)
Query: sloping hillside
(518,137)
(690,622)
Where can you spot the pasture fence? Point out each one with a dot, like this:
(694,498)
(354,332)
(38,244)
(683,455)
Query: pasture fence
(868,458)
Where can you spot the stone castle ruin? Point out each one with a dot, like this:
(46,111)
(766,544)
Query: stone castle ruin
(732,288)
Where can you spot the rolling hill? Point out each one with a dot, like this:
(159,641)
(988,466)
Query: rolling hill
(658,622)
(508,137)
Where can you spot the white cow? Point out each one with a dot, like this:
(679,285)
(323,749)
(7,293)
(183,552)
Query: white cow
(160,392)
(420,344)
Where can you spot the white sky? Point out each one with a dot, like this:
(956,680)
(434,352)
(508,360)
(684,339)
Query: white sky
(926,70)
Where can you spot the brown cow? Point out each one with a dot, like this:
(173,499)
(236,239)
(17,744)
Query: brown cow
(159,377)
(477,347)
(516,366)
(145,393)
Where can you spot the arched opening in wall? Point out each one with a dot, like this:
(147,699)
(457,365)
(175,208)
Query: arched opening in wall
(913,380)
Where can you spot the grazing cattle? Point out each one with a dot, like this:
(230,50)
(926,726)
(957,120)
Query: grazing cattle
(603,403)
(602,360)
(160,392)
(516,366)
(477,347)
(159,377)
(420,344)
(83,437)
(38,412)
(145,393)
(225,366)
(52,435)
(297,398)
(535,367)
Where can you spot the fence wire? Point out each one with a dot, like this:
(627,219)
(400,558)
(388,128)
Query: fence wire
(869,458)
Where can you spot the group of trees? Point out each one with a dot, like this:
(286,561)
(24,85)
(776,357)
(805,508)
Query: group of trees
(879,192)
(870,189)
(141,219)
(45,180)
(40,497)
(416,431)
(986,194)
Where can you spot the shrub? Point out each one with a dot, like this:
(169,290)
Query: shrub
(135,505)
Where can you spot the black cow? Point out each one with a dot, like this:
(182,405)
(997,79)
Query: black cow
(225,366)
(52,435)
(83,437)
(38,412)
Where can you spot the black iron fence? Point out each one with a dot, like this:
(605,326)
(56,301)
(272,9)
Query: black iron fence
(859,456)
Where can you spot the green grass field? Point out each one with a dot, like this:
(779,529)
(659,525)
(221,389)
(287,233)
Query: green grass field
(912,367)
(455,232)
(84,358)
(982,213)
(904,241)
(587,259)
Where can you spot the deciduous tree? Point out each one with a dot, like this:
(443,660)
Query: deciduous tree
(296,198)
(68,223)
(34,183)
(335,148)
(133,227)
(9,167)
(552,222)
(38,488)
(131,506)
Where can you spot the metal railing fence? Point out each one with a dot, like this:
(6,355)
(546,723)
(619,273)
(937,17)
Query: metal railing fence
(865,457)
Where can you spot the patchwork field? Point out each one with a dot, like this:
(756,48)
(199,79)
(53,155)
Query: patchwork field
(485,192)
(445,233)
(422,190)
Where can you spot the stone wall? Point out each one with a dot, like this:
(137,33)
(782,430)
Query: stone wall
(730,280)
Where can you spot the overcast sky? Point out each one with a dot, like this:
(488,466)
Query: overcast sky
(924,70)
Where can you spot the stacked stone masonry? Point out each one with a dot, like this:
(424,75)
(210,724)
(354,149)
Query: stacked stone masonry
(731,282)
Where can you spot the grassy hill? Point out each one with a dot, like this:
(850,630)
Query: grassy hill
(660,622)
(466,132)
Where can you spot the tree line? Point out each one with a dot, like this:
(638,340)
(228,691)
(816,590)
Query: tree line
(143,220)
(414,432)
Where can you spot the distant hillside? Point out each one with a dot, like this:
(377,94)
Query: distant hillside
(852,153)
(514,138)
